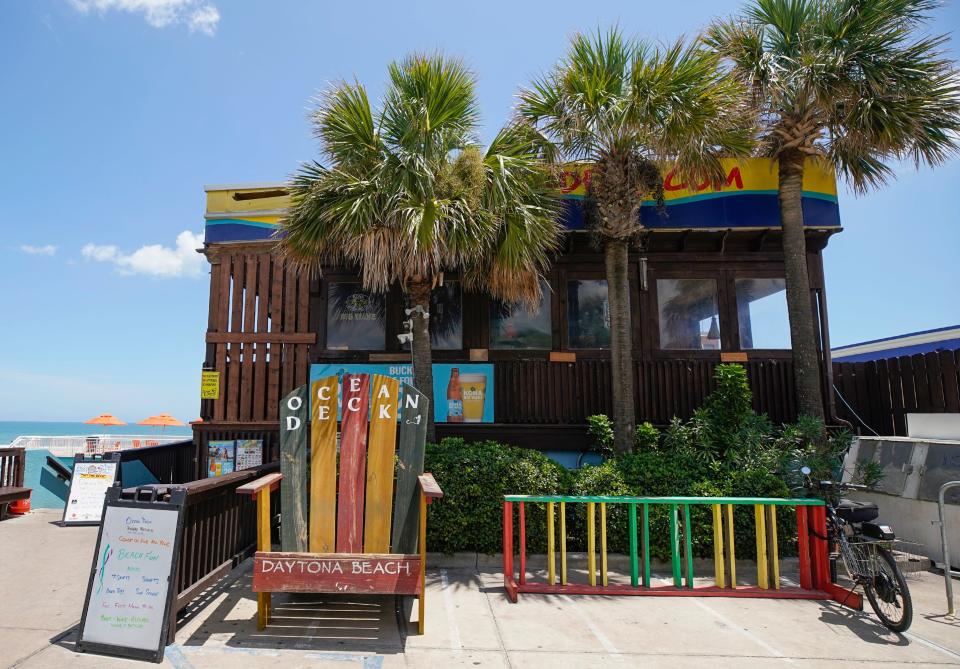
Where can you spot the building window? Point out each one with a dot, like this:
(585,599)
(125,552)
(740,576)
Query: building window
(515,327)
(762,313)
(446,317)
(355,318)
(588,314)
(689,319)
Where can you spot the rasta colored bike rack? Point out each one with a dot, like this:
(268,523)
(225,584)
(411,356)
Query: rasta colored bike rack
(812,547)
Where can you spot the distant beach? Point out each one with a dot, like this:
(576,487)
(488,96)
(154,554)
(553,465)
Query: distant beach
(10,430)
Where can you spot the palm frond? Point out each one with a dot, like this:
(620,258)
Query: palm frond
(343,122)
(409,194)
(853,81)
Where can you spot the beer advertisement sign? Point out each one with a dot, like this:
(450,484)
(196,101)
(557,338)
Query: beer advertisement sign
(462,392)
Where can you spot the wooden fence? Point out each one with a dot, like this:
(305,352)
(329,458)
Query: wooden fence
(258,335)
(535,391)
(876,396)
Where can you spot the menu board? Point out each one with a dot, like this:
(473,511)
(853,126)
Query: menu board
(88,485)
(249,453)
(126,612)
(220,456)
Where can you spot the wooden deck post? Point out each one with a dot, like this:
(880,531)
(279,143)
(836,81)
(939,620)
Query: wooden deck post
(423,561)
(263,544)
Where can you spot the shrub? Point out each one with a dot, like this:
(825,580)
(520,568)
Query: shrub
(600,431)
(646,437)
(475,477)
(725,449)
(603,479)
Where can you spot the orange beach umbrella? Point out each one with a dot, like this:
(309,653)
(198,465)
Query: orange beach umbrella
(161,420)
(105,419)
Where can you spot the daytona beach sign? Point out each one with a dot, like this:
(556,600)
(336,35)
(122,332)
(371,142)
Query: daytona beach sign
(300,572)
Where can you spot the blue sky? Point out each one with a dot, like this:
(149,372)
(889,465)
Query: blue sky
(116,112)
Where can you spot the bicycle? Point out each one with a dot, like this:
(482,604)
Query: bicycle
(864,547)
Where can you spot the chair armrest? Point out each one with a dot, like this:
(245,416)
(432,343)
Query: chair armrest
(270,481)
(429,486)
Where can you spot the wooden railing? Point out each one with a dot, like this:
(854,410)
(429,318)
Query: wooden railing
(219,532)
(12,465)
(169,463)
(877,395)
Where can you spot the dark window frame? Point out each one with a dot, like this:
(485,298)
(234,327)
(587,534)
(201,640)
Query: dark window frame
(722,313)
(488,302)
(732,288)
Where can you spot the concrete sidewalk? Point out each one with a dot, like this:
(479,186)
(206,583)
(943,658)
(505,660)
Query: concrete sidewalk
(469,623)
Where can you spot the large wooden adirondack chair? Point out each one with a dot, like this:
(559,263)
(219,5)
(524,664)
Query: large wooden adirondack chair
(336,530)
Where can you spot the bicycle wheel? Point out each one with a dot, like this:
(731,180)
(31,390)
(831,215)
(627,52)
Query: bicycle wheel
(888,592)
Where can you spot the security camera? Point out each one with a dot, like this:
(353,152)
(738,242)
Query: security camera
(417,310)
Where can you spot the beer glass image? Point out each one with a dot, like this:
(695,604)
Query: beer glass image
(473,388)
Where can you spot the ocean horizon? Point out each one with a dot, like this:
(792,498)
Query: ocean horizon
(10,430)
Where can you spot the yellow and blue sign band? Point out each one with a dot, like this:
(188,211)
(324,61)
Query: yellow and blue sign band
(746,198)
(240,229)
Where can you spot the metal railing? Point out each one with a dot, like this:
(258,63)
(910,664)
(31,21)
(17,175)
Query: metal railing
(67,446)
(947,575)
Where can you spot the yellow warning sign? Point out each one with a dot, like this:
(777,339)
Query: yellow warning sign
(210,386)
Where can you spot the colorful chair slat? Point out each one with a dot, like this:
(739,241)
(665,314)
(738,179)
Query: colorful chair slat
(336,531)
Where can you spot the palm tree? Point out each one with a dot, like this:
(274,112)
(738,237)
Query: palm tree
(847,82)
(408,195)
(635,111)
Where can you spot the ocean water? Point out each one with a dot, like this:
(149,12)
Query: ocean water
(10,430)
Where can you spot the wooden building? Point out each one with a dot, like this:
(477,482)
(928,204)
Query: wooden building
(707,286)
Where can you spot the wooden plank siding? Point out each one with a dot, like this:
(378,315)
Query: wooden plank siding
(876,395)
(267,324)
(258,334)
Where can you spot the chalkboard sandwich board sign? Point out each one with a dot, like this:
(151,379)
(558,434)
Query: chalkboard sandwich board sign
(126,612)
(92,477)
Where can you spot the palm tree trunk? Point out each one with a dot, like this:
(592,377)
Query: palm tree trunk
(422,353)
(621,344)
(803,338)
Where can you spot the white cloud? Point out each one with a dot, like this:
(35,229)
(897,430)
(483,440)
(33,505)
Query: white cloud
(47,250)
(99,253)
(204,19)
(195,14)
(154,259)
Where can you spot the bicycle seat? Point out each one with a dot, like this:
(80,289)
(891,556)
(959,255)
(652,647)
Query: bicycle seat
(857,512)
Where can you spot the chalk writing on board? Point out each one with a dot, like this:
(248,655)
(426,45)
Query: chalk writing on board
(87,491)
(130,588)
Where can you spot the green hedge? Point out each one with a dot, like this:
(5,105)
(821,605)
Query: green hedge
(475,477)
(724,449)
